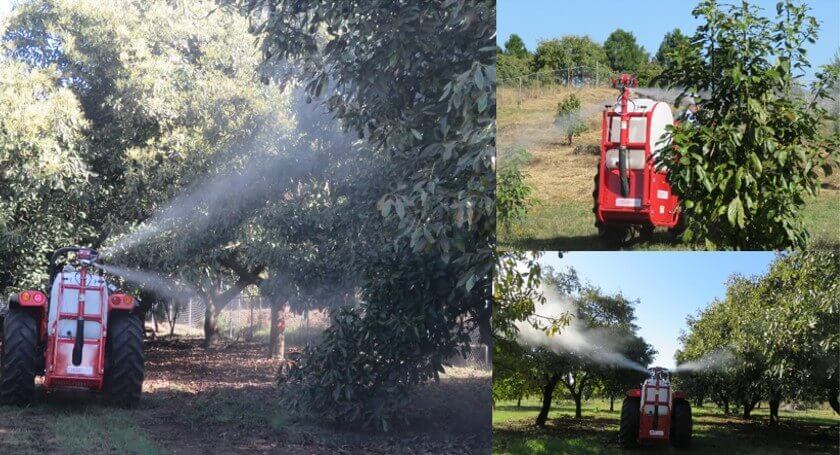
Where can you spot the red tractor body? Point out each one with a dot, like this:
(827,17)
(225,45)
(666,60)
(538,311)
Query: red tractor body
(630,193)
(64,335)
(655,413)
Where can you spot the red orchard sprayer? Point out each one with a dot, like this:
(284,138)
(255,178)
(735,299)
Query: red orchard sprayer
(655,413)
(630,194)
(79,334)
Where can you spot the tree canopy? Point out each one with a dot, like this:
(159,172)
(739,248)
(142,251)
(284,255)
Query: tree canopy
(623,53)
(515,47)
(760,148)
(772,337)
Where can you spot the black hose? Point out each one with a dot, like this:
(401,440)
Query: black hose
(80,341)
(622,171)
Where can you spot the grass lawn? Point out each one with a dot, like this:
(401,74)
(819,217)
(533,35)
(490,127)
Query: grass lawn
(561,178)
(811,431)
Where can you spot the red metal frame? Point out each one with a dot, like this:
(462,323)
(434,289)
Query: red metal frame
(648,211)
(56,358)
(656,427)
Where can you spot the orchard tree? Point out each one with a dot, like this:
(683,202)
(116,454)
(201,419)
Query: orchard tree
(744,172)
(623,53)
(44,175)
(426,111)
(614,381)
(569,52)
(674,41)
(510,68)
(515,47)
(800,339)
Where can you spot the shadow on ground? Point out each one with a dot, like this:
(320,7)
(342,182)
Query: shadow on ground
(223,400)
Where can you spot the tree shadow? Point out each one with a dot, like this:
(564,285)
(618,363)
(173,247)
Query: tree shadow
(659,240)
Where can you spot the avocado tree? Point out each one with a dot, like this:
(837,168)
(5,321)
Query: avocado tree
(44,177)
(744,172)
(772,337)
(424,109)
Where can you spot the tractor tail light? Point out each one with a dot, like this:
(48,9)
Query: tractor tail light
(29,298)
(122,300)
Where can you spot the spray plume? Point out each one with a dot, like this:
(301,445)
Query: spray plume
(159,285)
(713,361)
(264,178)
(596,344)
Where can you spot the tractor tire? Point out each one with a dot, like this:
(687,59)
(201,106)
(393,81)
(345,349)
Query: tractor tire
(20,357)
(678,229)
(628,433)
(124,360)
(598,224)
(681,424)
(615,236)
(646,233)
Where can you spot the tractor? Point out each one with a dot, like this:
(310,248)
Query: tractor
(631,194)
(81,334)
(655,413)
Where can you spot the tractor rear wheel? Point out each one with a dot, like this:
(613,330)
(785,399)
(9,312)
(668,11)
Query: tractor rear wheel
(681,424)
(628,433)
(124,360)
(598,224)
(20,357)
(615,236)
(678,229)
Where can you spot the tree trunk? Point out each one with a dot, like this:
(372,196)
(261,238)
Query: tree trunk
(774,410)
(698,402)
(519,402)
(276,334)
(726,406)
(548,393)
(833,398)
(748,407)
(578,398)
(210,329)
(612,402)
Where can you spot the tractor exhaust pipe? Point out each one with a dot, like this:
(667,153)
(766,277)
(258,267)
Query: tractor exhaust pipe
(80,340)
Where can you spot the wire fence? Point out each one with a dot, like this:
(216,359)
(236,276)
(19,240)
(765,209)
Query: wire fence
(547,82)
(244,318)
(248,318)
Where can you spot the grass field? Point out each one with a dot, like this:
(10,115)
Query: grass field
(813,431)
(223,400)
(562,178)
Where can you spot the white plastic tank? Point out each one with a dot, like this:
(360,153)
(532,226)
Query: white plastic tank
(660,118)
(69,303)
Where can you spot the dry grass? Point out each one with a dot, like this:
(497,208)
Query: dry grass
(563,180)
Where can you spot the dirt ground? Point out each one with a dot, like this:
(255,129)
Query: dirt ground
(561,175)
(223,400)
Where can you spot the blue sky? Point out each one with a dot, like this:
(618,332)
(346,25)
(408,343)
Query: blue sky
(534,20)
(669,285)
